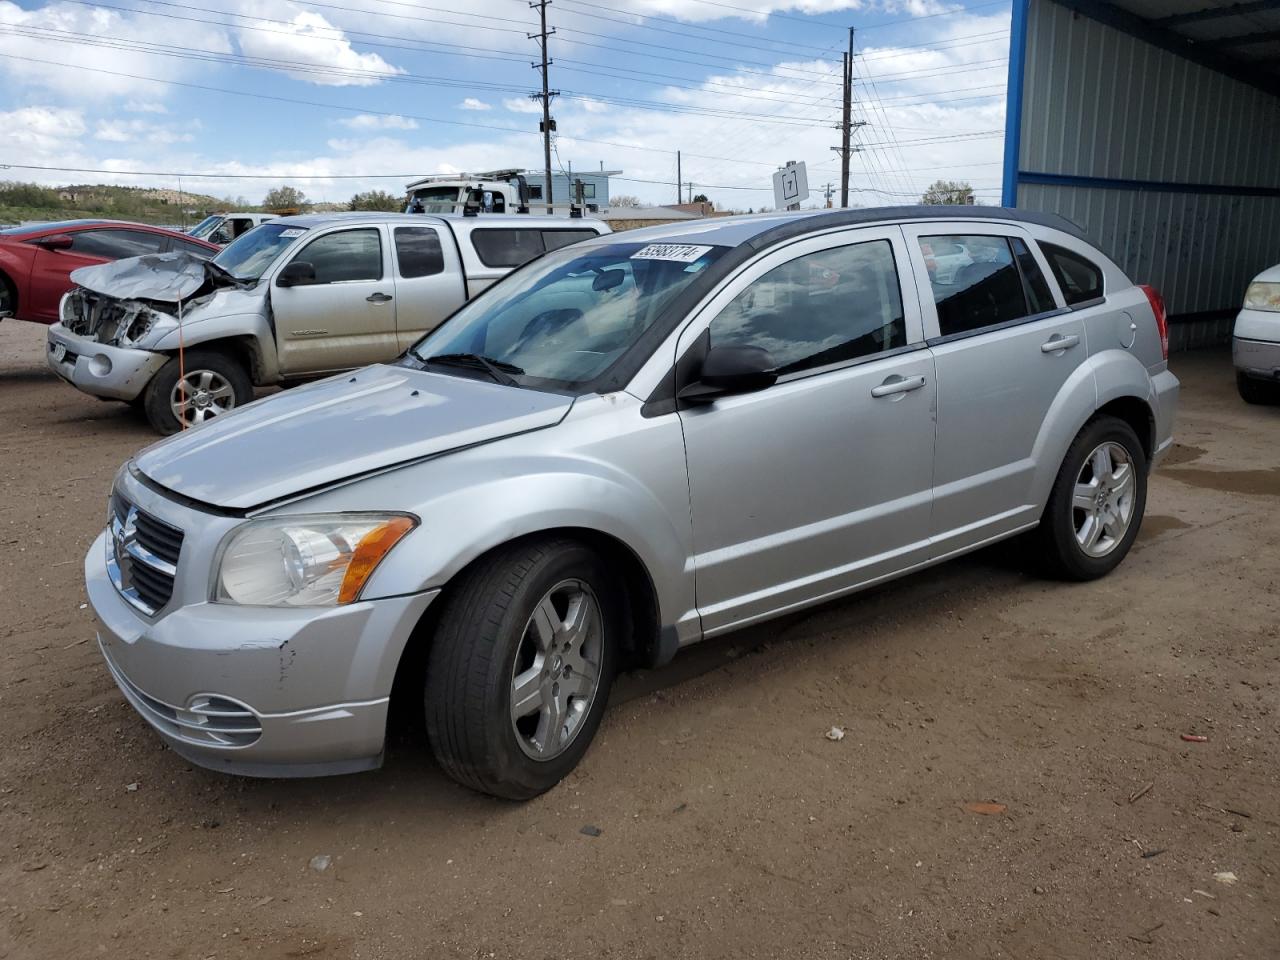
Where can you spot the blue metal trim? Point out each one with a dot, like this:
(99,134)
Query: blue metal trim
(1155,186)
(1013,102)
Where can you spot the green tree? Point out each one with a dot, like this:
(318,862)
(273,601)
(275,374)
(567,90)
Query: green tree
(948,192)
(284,198)
(701,198)
(377,200)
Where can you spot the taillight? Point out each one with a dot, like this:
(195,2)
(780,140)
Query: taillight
(1162,319)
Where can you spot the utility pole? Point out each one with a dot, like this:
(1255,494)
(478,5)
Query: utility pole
(548,125)
(847,125)
(679,178)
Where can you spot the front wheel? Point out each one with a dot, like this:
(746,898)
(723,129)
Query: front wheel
(1096,506)
(521,666)
(207,384)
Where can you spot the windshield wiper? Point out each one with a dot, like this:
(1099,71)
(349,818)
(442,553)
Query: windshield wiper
(499,370)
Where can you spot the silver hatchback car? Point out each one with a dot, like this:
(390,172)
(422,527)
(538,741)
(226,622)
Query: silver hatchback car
(624,447)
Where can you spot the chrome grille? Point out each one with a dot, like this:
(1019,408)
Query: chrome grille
(208,719)
(142,555)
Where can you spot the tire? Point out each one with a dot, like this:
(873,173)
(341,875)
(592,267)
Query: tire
(487,637)
(8,298)
(1065,533)
(223,381)
(1253,390)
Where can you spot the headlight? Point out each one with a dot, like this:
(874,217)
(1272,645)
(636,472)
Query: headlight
(1263,296)
(320,560)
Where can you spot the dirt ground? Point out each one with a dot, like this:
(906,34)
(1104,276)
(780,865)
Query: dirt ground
(729,825)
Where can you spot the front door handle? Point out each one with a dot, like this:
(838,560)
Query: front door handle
(897,385)
(1058,343)
(378,298)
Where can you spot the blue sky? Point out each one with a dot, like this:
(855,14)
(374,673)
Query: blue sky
(347,95)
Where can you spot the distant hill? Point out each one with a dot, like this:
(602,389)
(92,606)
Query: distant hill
(28,201)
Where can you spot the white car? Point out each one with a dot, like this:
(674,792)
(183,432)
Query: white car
(1255,344)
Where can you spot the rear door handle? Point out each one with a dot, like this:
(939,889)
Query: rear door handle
(378,298)
(1058,343)
(897,385)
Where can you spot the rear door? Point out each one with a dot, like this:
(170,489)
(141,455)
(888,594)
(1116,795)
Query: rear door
(347,317)
(429,283)
(1004,347)
(51,269)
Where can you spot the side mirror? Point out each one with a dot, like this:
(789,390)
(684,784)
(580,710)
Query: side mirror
(732,369)
(57,241)
(296,274)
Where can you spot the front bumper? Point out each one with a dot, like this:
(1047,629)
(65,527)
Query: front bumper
(258,691)
(118,373)
(1257,358)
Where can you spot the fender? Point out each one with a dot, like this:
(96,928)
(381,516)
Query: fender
(474,500)
(242,326)
(1103,377)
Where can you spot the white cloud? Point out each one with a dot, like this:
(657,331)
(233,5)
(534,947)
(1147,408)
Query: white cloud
(42,128)
(522,105)
(473,103)
(373,121)
(44,34)
(312,42)
(143,131)
(145,106)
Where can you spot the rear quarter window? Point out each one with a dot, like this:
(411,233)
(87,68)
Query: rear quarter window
(512,247)
(1079,277)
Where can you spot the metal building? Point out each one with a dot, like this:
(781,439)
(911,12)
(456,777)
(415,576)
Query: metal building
(1154,125)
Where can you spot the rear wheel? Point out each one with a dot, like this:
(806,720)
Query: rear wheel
(1096,506)
(1253,390)
(521,666)
(206,385)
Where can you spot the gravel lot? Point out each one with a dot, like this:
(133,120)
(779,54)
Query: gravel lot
(729,826)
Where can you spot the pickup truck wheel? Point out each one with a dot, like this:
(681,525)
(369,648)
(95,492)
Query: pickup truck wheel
(1253,390)
(210,384)
(1095,508)
(521,666)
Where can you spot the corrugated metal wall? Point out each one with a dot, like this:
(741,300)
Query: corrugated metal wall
(1100,103)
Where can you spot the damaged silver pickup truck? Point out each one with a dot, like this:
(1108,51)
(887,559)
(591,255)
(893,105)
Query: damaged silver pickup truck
(299,297)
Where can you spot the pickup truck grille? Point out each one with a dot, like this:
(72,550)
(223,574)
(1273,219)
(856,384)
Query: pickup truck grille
(142,555)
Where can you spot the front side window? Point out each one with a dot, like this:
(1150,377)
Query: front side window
(117,244)
(507,248)
(984,290)
(823,308)
(1080,280)
(249,256)
(564,321)
(344,256)
(418,252)
(186,246)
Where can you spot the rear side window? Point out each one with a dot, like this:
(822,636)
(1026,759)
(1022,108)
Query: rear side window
(117,244)
(345,255)
(823,308)
(507,248)
(984,289)
(1079,278)
(1035,286)
(555,239)
(418,252)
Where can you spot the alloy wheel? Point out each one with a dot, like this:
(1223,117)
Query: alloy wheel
(200,395)
(1102,505)
(556,673)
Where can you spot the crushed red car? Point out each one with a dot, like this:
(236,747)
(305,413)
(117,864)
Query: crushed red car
(36,260)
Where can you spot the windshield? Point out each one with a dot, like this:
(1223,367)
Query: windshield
(563,320)
(249,255)
(434,200)
(205,227)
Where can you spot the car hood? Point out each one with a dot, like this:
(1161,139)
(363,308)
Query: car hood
(160,277)
(358,423)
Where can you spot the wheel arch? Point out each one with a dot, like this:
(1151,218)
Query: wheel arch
(244,337)
(12,285)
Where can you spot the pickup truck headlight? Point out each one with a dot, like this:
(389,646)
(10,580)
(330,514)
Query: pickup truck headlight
(305,561)
(1263,296)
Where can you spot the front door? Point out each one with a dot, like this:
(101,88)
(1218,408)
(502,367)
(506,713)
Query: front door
(1004,348)
(822,481)
(346,317)
(51,268)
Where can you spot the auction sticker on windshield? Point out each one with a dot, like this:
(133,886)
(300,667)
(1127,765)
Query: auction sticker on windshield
(678,252)
(291,233)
